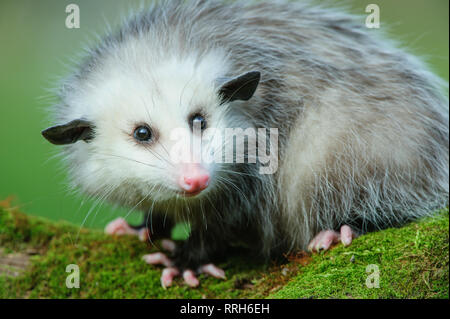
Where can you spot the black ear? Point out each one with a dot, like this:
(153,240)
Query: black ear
(69,133)
(240,88)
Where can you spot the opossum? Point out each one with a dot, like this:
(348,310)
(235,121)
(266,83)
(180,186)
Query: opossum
(361,129)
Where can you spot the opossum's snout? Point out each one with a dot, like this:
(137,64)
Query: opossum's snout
(194,178)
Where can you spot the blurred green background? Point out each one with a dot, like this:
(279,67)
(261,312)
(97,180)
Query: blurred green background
(36,47)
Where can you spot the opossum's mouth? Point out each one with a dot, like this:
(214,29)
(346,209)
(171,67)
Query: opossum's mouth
(189,195)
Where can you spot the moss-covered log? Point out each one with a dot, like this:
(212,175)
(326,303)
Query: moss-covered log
(413,262)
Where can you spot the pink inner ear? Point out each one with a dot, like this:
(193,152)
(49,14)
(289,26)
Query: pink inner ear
(194,178)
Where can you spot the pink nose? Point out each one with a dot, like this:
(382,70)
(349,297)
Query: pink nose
(194,179)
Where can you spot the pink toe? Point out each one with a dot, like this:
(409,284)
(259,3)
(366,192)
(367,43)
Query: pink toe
(323,240)
(328,238)
(212,270)
(190,278)
(144,235)
(115,225)
(157,259)
(120,226)
(168,245)
(315,240)
(167,276)
(346,235)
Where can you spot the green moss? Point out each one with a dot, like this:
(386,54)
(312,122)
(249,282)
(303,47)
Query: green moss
(413,263)
(110,266)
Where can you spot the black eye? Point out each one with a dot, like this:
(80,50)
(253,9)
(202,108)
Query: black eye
(142,134)
(197,118)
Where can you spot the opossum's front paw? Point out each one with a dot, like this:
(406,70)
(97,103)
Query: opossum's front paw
(171,270)
(119,226)
(324,239)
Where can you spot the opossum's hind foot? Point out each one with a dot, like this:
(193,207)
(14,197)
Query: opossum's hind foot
(120,226)
(326,238)
(170,271)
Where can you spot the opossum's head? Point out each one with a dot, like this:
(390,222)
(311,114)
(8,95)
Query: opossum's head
(129,128)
